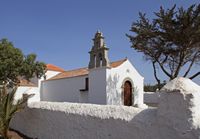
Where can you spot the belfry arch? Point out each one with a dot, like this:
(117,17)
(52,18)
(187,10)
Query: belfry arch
(99,52)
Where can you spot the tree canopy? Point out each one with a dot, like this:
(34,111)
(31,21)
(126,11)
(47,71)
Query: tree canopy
(171,41)
(15,65)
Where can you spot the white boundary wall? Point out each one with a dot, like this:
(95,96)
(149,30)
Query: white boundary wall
(177,117)
(53,120)
(28,90)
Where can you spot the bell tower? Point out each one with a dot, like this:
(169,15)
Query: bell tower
(99,52)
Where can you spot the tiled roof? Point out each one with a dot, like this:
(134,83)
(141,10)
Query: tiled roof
(117,63)
(71,73)
(24,82)
(54,68)
(82,71)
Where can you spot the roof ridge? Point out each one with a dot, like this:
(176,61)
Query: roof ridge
(82,71)
(75,69)
(54,67)
(124,59)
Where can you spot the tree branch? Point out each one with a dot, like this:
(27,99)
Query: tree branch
(179,65)
(195,75)
(191,64)
(163,69)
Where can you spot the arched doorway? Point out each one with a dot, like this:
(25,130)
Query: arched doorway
(127,93)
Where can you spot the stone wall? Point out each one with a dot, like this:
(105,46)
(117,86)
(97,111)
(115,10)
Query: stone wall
(177,117)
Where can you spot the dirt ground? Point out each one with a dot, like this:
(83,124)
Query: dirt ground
(13,134)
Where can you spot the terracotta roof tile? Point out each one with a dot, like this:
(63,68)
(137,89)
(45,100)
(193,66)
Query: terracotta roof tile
(82,71)
(54,68)
(24,82)
(117,63)
(71,73)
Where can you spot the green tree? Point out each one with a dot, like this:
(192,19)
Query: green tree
(171,41)
(14,65)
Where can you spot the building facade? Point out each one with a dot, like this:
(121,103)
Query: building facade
(102,82)
(34,85)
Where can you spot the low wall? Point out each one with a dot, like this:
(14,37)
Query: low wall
(151,98)
(177,117)
(50,120)
(28,90)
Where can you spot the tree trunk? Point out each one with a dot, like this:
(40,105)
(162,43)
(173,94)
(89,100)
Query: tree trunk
(5,134)
(155,75)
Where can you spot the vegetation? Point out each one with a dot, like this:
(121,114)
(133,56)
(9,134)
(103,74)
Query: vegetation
(14,66)
(153,88)
(171,41)
(8,107)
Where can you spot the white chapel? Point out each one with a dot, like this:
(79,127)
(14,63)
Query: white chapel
(101,82)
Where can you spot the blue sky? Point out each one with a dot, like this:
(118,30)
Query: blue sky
(61,31)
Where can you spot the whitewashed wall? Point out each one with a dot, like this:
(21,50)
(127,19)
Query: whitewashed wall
(67,89)
(177,117)
(52,120)
(115,81)
(105,86)
(28,90)
(34,90)
(51,73)
(97,86)
(48,75)
(151,98)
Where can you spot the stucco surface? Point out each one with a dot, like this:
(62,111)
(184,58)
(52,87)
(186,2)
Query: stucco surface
(116,78)
(63,89)
(50,120)
(151,98)
(179,107)
(97,86)
(184,85)
(34,90)
(177,117)
(28,90)
(105,86)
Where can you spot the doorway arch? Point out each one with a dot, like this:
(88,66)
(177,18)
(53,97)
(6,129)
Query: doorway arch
(128,93)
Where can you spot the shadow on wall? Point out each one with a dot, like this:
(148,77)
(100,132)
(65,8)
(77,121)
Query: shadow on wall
(130,124)
(106,122)
(177,117)
(135,95)
(115,91)
(114,95)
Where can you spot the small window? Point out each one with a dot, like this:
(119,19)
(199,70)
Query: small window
(100,60)
(94,60)
(86,83)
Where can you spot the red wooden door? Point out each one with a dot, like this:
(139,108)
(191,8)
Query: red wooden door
(127,94)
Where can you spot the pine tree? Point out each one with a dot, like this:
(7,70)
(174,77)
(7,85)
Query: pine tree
(171,41)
